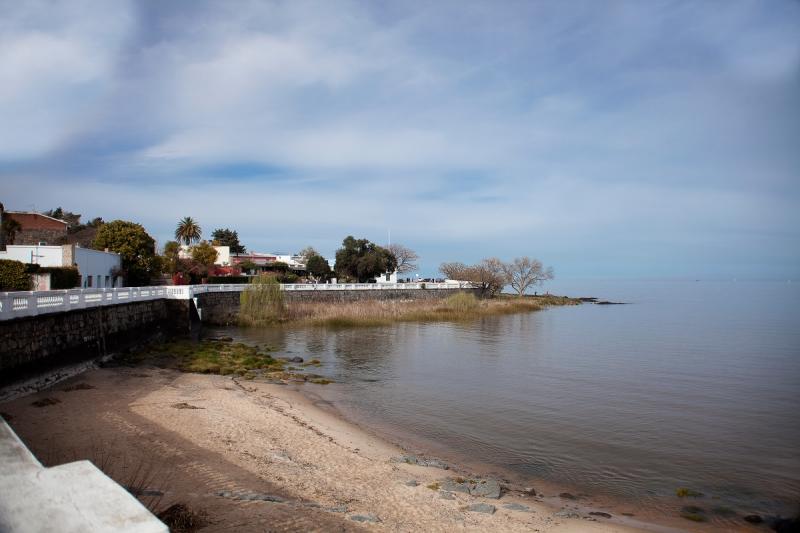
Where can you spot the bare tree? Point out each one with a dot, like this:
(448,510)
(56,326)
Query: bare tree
(456,271)
(488,275)
(406,258)
(525,272)
(307,253)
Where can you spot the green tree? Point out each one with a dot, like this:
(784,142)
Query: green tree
(226,237)
(204,253)
(171,255)
(137,249)
(362,260)
(10,228)
(188,231)
(318,268)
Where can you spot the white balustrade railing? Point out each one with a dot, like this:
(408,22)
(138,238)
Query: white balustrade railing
(32,303)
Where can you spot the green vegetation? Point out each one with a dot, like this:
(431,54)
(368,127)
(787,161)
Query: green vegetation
(262,303)
(361,260)
(683,492)
(188,231)
(10,228)
(318,268)
(135,246)
(204,254)
(60,277)
(209,357)
(435,485)
(13,276)
(227,237)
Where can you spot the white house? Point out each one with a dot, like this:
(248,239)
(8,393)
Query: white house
(95,267)
(388,277)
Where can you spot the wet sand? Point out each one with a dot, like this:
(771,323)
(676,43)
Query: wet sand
(226,448)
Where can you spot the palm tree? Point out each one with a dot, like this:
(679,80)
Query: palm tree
(188,231)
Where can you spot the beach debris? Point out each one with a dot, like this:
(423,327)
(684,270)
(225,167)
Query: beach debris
(184,405)
(369,517)
(447,495)
(481,508)
(412,459)
(567,496)
(600,514)
(78,386)
(514,506)
(684,492)
(411,483)
(249,496)
(44,402)
(753,519)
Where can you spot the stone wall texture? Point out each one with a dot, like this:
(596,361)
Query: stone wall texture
(31,344)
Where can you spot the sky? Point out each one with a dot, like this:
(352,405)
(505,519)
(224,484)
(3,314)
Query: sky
(611,139)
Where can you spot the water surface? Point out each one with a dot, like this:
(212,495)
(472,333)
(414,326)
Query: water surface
(693,384)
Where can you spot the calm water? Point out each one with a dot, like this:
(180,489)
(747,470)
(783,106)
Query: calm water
(693,384)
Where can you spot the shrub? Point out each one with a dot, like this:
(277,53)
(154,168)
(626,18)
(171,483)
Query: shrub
(13,276)
(461,302)
(62,277)
(262,302)
(288,277)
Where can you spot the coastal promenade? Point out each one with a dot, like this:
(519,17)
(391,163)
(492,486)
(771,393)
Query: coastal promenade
(34,303)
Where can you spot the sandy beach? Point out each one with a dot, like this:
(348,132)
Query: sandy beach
(250,456)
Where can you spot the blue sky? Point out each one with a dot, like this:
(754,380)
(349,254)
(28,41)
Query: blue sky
(608,139)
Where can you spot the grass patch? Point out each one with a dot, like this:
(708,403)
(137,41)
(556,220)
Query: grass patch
(434,486)
(683,492)
(262,302)
(209,357)
(458,307)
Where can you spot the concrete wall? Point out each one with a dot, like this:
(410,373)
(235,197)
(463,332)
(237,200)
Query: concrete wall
(92,264)
(222,308)
(46,256)
(97,265)
(32,344)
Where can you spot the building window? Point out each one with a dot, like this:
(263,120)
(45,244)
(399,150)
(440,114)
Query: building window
(88,281)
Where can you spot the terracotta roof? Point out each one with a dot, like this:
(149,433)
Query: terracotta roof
(36,220)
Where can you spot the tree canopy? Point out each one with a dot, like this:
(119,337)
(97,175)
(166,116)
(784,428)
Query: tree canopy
(227,237)
(134,245)
(204,253)
(318,268)
(188,231)
(362,260)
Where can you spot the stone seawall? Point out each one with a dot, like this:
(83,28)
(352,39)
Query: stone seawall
(32,344)
(222,308)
